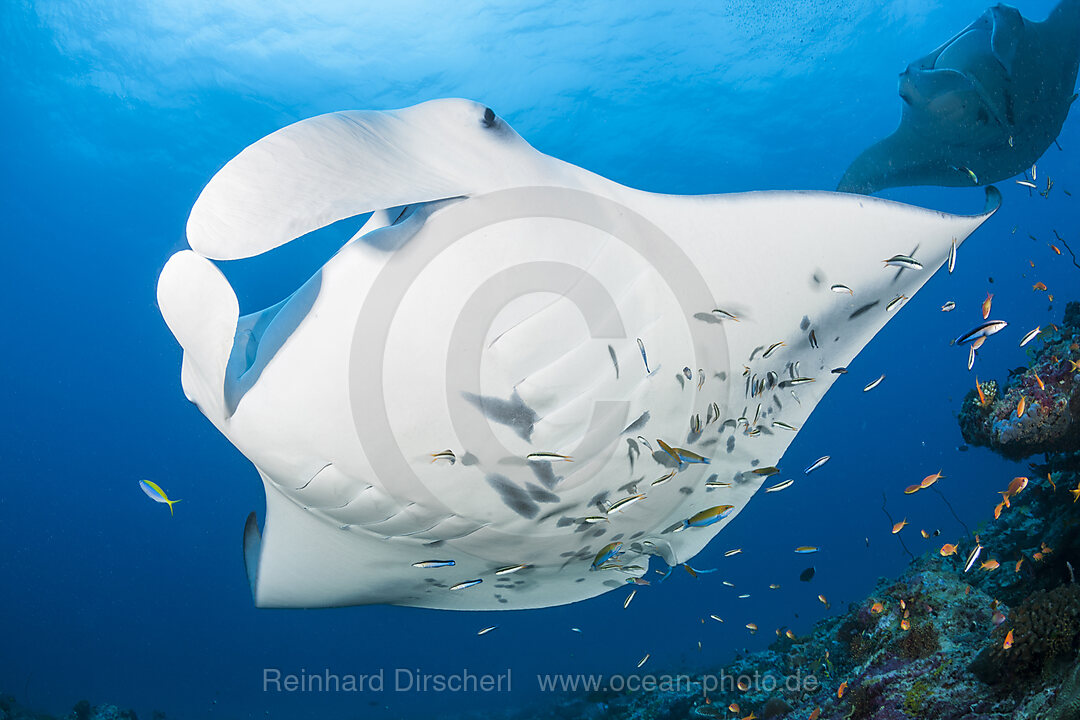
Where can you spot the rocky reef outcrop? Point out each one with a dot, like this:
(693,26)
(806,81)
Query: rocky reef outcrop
(1050,390)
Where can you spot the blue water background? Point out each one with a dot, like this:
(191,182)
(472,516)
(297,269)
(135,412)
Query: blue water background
(116,115)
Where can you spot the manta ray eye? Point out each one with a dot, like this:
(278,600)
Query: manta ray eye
(489,118)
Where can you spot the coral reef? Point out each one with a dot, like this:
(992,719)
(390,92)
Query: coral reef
(1050,389)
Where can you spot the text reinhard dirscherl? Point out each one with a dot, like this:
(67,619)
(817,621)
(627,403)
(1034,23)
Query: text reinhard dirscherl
(414,680)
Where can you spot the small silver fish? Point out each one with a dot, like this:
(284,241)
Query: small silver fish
(816,464)
(624,503)
(895,303)
(510,569)
(644,442)
(716,618)
(716,484)
(839,370)
(948,307)
(664,479)
(688,373)
(813,339)
(795,381)
(1034,176)
(904,261)
(780,486)
(593,519)
(971,356)
(1030,336)
(839,288)
(695,424)
(784,426)
(701,379)
(466,584)
(547,457)
(952,256)
(730,553)
(629,598)
(434,564)
(486,630)
(973,556)
(713,413)
(644,660)
(772,348)
(444,455)
(725,315)
(1027,184)
(986,329)
(644,358)
(874,384)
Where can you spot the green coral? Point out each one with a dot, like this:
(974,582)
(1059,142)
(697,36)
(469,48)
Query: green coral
(915,700)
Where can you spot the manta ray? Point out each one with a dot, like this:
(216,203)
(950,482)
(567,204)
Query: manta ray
(519,382)
(982,107)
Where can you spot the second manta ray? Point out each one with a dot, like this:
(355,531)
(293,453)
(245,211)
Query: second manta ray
(531,320)
(982,107)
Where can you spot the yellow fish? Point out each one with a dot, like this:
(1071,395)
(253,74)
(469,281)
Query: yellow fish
(156,494)
(1008,640)
(930,480)
(948,549)
(1021,406)
(986,305)
(899,526)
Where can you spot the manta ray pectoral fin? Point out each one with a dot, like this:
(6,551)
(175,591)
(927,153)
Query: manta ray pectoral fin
(330,167)
(202,311)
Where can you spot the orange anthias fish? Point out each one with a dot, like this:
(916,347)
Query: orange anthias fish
(930,480)
(978,386)
(823,601)
(733,707)
(1054,248)
(816,714)
(1008,640)
(840,690)
(899,526)
(986,305)
(1038,286)
(912,489)
(1051,481)
(1021,406)
(998,509)
(948,549)
(1039,381)
(877,608)
(990,565)
(926,535)
(1017,486)
(1018,564)
(905,624)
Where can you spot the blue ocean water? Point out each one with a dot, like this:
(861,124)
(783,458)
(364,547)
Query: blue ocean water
(117,114)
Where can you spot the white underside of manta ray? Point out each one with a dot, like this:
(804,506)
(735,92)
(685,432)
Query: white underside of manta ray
(493,306)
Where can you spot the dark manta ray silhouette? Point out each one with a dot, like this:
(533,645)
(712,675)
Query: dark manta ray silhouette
(982,107)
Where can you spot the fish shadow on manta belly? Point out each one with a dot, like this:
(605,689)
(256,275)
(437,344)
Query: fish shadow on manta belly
(982,107)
